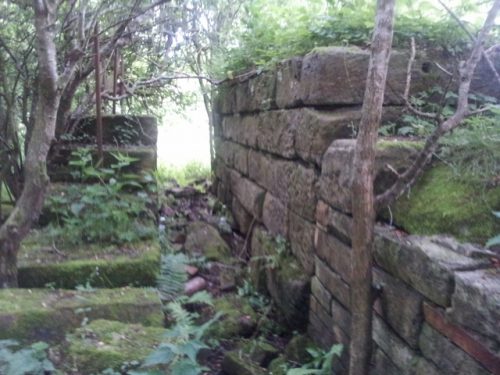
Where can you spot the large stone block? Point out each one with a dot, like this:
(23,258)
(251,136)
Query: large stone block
(289,287)
(233,155)
(476,302)
(341,317)
(401,307)
(316,129)
(241,129)
(294,183)
(334,222)
(256,93)
(301,236)
(227,95)
(276,133)
(242,217)
(321,333)
(250,195)
(337,75)
(333,283)
(407,360)
(334,253)
(446,355)
(288,83)
(336,169)
(320,295)
(275,215)
(425,265)
(383,365)
(318,308)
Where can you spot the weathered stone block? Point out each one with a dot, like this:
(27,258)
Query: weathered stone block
(383,365)
(337,75)
(320,294)
(289,287)
(407,360)
(256,93)
(336,169)
(401,307)
(424,265)
(476,302)
(295,184)
(248,194)
(445,355)
(334,253)
(241,129)
(301,236)
(323,335)
(341,316)
(288,83)
(333,282)
(275,215)
(334,222)
(319,310)
(315,130)
(204,239)
(227,95)
(242,217)
(276,134)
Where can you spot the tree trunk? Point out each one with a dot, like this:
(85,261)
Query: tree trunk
(30,202)
(362,192)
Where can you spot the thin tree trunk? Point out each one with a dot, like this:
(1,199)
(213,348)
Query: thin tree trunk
(30,202)
(362,192)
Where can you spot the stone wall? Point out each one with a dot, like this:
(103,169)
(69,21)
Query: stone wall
(284,149)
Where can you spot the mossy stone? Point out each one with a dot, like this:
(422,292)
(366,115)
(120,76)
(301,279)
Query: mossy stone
(441,204)
(296,350)
(234,363)
(278,366)
(118,272)
(238,319)
(45,315)
(260,352)
(108,344)
(203,239)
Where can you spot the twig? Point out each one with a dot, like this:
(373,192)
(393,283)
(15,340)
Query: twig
(247,238)
(408,70)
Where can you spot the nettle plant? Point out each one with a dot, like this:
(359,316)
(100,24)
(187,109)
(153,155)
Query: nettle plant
(113,209)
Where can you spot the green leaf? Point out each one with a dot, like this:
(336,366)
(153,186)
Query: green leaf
(76,208)
(162,355)
(185,367)
(493,241)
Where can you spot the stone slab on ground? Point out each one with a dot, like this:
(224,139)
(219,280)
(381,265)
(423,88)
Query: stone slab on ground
(104,344)
(204,239)
(109,266)
(46,315)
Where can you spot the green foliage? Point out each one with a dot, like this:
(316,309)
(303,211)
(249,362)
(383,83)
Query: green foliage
(172,275)
(321,364)
(473,150)
(183,341)
(108,211)
(494,241)
(21,361)
(273,30)
(193,171)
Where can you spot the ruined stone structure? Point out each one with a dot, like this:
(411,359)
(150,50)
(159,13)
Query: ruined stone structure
(134,136)
(284,148)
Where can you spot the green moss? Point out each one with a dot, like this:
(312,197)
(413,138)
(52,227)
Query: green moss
(296,350)
(45,315)
(230,325)
(117,272)
(440,204)
(278,366)
(384,144)
(108,344)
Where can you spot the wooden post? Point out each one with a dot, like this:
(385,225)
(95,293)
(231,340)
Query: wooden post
(98,106)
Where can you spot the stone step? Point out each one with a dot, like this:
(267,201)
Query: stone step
(104,344)
(104,267)
(31,315)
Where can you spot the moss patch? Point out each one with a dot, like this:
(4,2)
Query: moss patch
(439,204)
(105,269)
(108,344)
(45,315)
(237,319)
